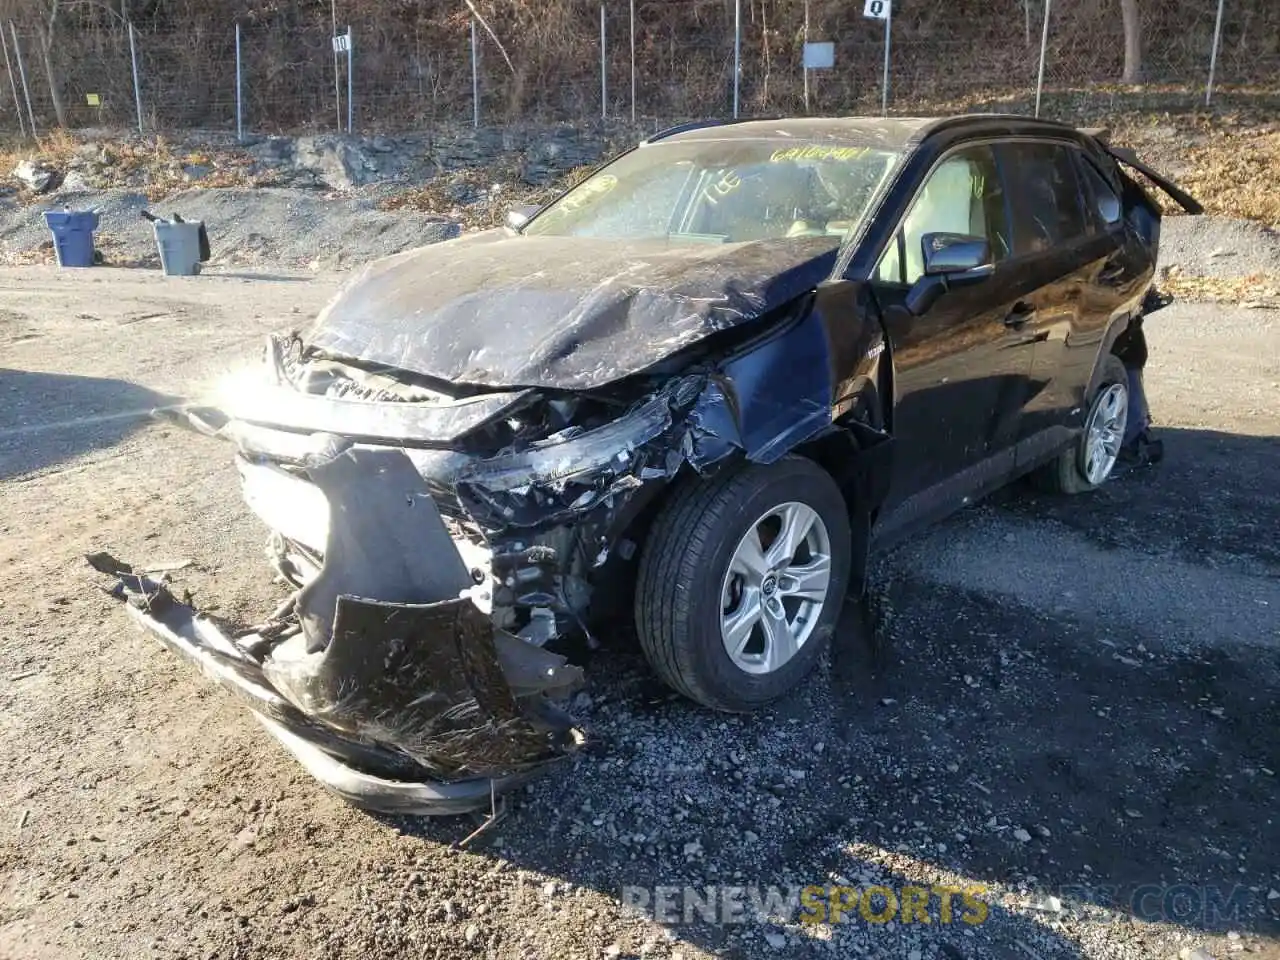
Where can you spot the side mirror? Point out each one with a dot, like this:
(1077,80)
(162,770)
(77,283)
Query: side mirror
(947,254)
(517,217)
(950,260)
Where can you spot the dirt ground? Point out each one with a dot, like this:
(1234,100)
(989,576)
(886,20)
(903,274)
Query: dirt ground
(1077,711)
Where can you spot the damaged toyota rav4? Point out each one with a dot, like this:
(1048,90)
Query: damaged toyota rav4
(695,388)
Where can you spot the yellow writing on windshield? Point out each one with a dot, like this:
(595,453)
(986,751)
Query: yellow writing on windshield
(814,152)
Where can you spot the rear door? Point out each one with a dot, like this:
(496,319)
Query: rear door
(1065,261)
(960,370)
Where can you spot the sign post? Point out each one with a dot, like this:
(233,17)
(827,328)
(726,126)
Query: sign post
(818,55)
(882,10)
(343,43)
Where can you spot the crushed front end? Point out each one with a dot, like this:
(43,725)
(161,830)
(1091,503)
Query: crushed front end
(407,669)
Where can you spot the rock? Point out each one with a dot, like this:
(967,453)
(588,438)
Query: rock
(196,171)
(750,836)
(36,175)
(819,747)
(775,940)
(335,161)
(1021,835)
(1273,894)
(76,181)
(692,849)
(914,955)
(549,889)
(612,950)
(471,933)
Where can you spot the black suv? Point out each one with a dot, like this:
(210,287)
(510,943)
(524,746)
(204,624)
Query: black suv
(697,386)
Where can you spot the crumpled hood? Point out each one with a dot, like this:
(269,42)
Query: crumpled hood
(498,309)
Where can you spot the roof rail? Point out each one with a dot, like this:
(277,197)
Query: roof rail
(699,125)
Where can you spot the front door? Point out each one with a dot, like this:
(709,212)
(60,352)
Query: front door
(960,367)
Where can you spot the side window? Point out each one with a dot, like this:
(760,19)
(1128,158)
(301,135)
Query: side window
(962,195)
(1046,198)
(1106,204)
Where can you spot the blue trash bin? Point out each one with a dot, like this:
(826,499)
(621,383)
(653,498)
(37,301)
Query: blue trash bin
(72,236)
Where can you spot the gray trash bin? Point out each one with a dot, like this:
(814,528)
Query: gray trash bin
(183,244)
(179,245)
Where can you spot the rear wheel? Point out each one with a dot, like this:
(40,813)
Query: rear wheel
(1088,463)
(741,582)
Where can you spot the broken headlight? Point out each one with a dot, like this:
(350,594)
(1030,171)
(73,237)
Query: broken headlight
(572,454)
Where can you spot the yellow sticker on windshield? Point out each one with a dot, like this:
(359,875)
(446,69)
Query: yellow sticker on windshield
(814,152)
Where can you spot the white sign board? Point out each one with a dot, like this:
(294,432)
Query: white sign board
(342,43)
(877,9)
(819,55)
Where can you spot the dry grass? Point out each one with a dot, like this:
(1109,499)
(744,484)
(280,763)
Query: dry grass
(1236,173)
(1256,290)
(441,194)
(153,165)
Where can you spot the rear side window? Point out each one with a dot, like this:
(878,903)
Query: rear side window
(1045,197)
(1105,203)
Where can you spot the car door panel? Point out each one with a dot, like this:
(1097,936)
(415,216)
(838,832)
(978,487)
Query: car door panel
(960,367)
(1065,261)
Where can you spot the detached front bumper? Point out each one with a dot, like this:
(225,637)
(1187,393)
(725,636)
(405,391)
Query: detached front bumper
(381,675)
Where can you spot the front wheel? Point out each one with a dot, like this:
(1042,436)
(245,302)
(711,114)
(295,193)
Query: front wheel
(1087,463)
(741,582)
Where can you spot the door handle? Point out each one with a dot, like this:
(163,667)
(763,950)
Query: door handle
(1019,315)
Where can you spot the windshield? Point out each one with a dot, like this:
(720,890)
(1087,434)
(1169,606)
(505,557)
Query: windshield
(723,191)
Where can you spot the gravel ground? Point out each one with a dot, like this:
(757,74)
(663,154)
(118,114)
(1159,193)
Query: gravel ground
(1219,247)
(1075,709)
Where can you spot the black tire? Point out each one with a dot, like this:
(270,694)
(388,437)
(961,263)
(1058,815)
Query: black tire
(682,570)
(1063,475)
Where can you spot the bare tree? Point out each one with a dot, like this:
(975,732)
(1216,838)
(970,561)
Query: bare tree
(47,26)
(1132,41)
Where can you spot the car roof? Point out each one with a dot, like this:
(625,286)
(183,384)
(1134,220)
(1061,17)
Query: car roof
(889,132)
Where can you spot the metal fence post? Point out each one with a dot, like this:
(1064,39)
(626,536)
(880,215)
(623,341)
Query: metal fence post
(13,85)
(737,52)
(22,75)
(604,73)
(633,61)
(475,75)
(337,70)
(804,60)
(1044,45)
(1213,56)
(351,80)
(137,89)
(888,41)
(239,91)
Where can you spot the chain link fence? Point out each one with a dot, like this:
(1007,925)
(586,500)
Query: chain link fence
(497,62)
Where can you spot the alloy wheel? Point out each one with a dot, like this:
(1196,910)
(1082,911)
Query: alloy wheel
(775,588)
